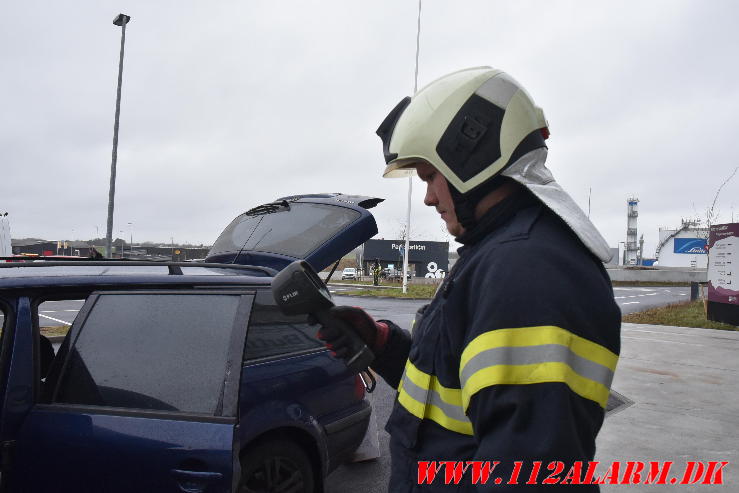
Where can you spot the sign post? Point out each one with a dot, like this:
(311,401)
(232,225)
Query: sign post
(723,273)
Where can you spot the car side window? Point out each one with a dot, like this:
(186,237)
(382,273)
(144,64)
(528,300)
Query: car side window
(153,351)
(271,333)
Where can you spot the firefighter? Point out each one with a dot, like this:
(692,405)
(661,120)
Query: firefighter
(513,358)
(376,271)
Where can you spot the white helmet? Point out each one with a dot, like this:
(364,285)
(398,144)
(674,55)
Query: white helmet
(467,124)
(476,126)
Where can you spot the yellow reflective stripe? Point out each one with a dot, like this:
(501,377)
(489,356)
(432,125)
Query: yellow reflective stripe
(437,415)
(435,397)
(530,355)
(429,411)
(535,336)
(449,395)
(531,374)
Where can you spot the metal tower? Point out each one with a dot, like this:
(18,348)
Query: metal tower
(632,247)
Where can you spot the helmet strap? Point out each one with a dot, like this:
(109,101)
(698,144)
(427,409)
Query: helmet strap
(466,204)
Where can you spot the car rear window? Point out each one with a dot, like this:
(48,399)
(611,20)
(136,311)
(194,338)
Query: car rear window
(164,352)
(296,232)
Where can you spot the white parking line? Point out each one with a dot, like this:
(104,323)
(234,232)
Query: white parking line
(54,319)
(631,302)
(634,296)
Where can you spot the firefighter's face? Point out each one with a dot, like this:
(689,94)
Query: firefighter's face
(438,196)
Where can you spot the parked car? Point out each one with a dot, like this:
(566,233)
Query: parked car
(177,376)
(395,275)
(349,273)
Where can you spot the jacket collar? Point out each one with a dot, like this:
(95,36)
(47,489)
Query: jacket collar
(499,215)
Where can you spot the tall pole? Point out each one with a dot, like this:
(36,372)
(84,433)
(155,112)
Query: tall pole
(120,20)
(410,176)
(130,246)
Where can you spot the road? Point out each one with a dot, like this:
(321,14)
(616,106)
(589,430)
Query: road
(630,300)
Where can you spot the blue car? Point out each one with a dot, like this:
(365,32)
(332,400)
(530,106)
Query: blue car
(181,377)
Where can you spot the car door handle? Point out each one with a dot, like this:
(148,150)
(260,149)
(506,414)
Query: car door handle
(194,481)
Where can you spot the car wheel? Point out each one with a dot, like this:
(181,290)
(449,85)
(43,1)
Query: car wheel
(276,466)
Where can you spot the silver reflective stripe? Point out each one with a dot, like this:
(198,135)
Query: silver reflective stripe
(529,355)
(498,90)
(433,398)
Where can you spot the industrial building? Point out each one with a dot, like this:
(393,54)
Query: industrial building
(683,247)
(5,249)
(633,253)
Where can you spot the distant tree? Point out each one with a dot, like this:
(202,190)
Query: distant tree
(712,214)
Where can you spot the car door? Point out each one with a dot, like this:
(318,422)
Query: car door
(142,396)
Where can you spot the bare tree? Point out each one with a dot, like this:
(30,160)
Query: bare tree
(712,213)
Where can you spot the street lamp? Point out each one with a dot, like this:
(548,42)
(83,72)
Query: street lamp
(130,247)
(120,20)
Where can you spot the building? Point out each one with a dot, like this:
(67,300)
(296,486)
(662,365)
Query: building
(426,259)
(683,247)
(47,248)
(632,248)
(5,248)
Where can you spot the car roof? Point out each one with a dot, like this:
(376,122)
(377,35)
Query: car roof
(19,275)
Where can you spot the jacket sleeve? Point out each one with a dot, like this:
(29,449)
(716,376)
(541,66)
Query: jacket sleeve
(391,362)
(535,374)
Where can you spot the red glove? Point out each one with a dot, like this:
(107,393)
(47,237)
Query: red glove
(374,334)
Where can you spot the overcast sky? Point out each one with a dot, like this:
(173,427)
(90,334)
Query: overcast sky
(230,104)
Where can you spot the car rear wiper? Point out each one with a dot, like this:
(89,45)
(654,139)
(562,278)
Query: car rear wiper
(279,206)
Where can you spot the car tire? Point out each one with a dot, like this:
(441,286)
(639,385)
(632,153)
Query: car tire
(276,466)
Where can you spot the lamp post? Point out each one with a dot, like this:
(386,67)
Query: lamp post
(130,247)
(120,20)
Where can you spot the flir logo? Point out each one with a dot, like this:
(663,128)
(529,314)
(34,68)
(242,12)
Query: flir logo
(288,296)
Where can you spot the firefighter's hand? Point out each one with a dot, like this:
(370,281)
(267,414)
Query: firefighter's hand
(374,334)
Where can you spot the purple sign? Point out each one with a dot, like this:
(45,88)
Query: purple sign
(723,264)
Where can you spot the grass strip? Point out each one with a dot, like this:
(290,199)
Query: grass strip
(685,314)
(57,330)
(424,291)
